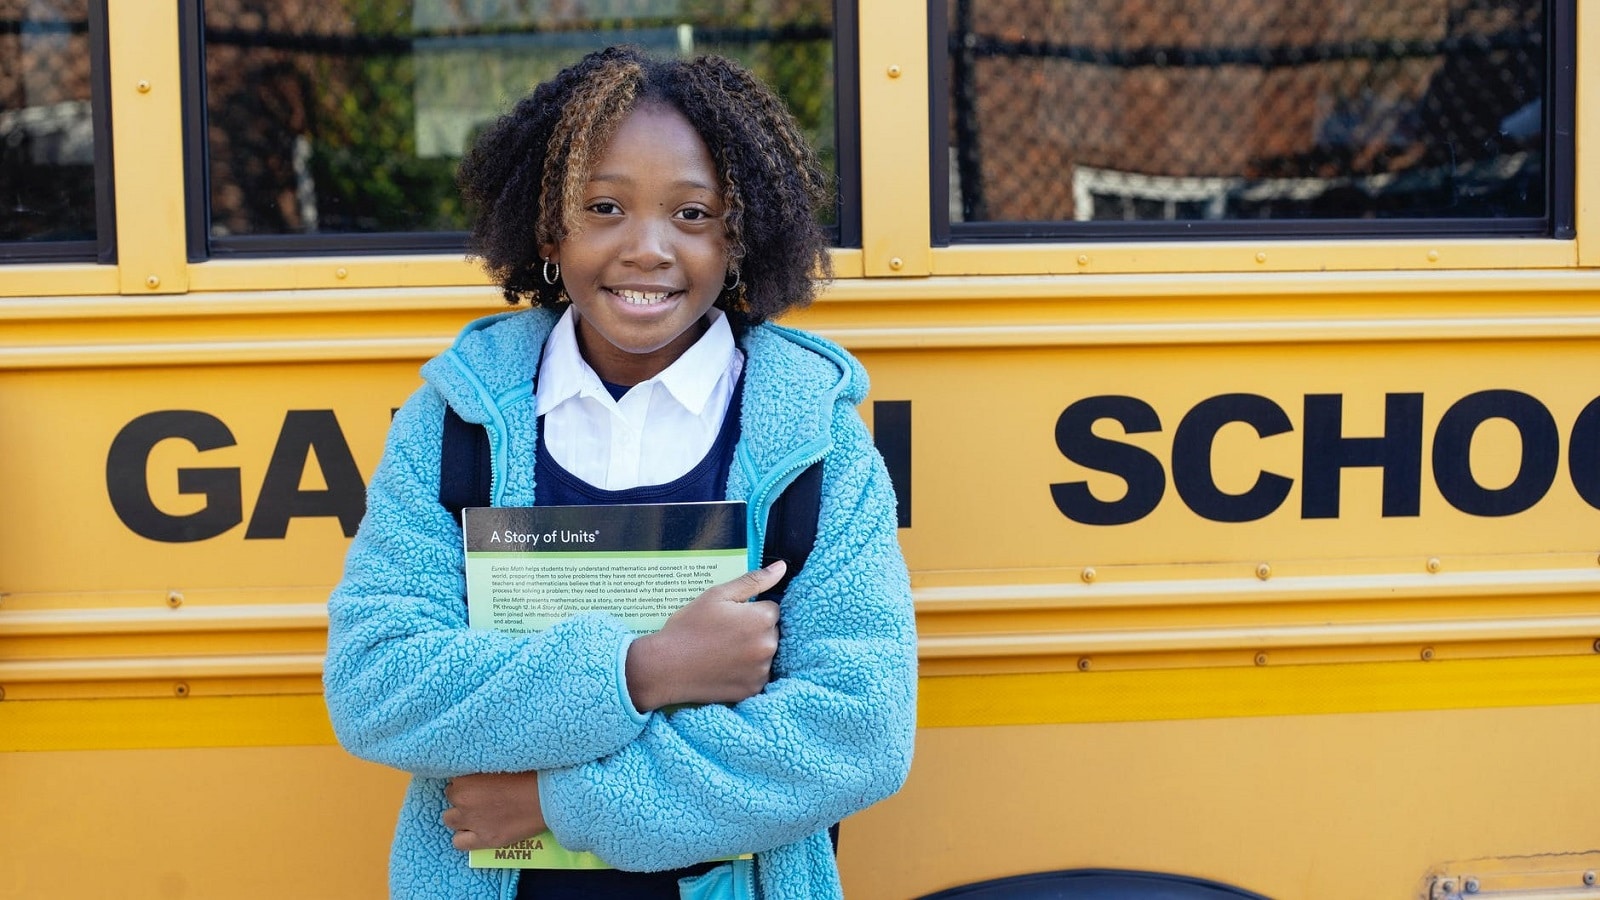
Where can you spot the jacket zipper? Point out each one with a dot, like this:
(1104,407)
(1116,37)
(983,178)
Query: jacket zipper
(749,873)
(772,489)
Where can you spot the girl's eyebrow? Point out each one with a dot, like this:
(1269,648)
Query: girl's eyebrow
(628,180)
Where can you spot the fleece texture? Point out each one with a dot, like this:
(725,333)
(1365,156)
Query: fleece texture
(408,685)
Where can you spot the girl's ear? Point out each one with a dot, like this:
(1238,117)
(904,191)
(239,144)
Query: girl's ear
(550,252)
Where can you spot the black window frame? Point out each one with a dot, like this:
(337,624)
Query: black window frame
(201,245)
(103,249)
(1560,182)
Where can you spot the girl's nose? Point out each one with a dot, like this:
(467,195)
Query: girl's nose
(649,243)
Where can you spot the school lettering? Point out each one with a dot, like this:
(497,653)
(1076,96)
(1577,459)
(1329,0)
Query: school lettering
(313,438)
(1326,452)
(306,435)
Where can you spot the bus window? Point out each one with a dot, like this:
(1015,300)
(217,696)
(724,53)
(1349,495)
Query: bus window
(346,120)
(1362,111)
(47,130)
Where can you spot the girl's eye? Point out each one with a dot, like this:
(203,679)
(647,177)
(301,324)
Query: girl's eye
(603,208)
(694,214)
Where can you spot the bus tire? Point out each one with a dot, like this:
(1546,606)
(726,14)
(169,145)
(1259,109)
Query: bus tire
(1095,884)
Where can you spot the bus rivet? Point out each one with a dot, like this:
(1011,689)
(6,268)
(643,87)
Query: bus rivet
(174,599)
(1427,654)
(1470,885)
(1588,878)
(1261,257)
(896,263)
(1083,259)
(1433,564)
(1263,571)
(1083,664)
(341,272)
(181,689)
(2,693)
(1088,574)
(143,86)
(152,281)
(1261,659)
(894,71)
(1448,886)
(1433,256)
(1596,645)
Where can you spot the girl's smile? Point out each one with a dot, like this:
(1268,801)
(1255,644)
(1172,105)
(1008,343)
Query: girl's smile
(641,298)
(649,254)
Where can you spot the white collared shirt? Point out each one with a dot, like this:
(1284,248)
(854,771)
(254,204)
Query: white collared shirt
(676,415)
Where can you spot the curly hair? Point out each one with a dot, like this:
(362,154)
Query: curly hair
(526,174)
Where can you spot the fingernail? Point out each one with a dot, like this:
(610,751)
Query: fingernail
(773,566)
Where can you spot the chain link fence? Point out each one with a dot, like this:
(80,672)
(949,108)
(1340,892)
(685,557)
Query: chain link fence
(46,122)
(1252,109)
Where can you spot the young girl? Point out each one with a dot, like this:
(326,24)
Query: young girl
(656,213)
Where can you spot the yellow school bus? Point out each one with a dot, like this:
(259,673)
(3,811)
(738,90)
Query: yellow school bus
(1237,366)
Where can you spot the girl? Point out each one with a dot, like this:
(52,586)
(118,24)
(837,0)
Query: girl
(656,213)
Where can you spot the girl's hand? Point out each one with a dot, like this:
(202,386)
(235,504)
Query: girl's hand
(493,810)
(717,649)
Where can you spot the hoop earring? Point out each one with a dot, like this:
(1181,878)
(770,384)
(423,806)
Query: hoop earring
(549,278)
(729,287)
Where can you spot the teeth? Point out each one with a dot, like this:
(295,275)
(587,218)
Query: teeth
(642,298)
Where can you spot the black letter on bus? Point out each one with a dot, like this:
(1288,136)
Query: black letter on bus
(891,434)
(1191,458)
(1452,453)
(305,430)
(1135,465)
(1583,454)
(127,484)
(1327,453)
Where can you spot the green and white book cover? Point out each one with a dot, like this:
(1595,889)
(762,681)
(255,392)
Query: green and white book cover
(531,567)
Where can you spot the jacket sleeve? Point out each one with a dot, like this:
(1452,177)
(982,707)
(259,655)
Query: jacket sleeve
(830,735)
(410,686)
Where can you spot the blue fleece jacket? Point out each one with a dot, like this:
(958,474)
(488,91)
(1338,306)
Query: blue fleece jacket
(409,686)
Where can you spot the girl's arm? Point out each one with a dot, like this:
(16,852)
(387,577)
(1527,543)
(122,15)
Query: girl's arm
(830,735)
(410,686)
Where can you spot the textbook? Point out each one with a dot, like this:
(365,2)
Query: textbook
(531,567)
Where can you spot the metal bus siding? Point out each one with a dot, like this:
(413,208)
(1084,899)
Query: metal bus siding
(1250,557)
